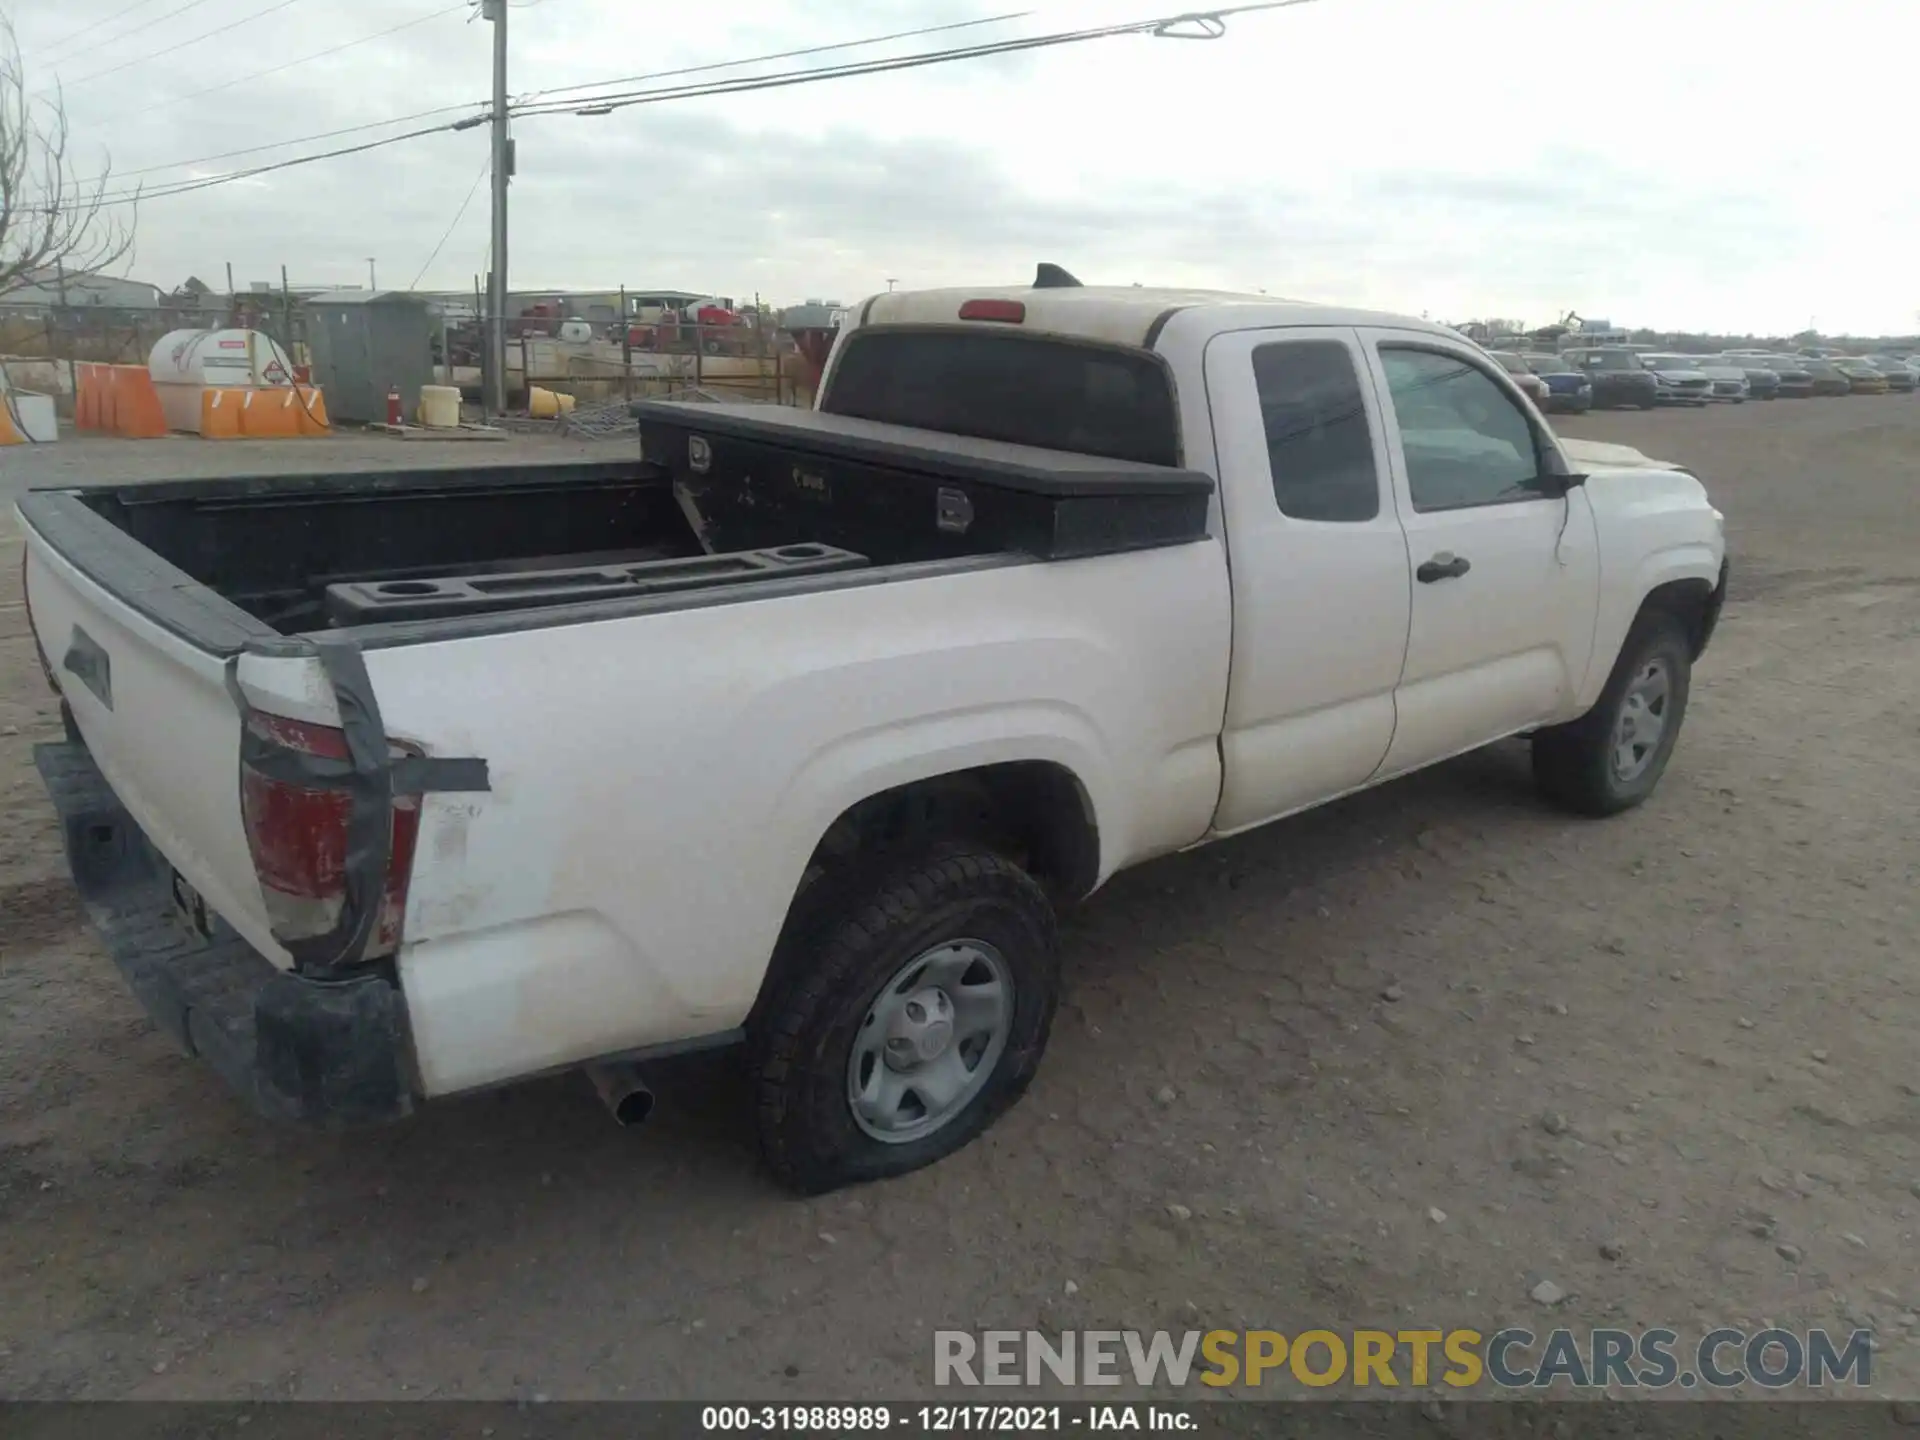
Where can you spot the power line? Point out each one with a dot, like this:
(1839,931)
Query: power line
(472,190)
(536,95)
(195,40)
(187,187)
(1211,25)
(530,98)
(290,64)
(112,40)
(73,35)
(297,140)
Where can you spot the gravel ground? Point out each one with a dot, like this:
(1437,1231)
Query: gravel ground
(1395,1062)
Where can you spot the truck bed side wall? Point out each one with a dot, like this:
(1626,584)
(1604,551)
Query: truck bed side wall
(660,782)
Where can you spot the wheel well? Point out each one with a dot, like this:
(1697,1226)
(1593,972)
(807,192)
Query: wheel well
(1032,811)
(1688,602)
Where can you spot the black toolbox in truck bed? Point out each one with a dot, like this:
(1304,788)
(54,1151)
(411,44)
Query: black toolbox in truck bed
(754,476)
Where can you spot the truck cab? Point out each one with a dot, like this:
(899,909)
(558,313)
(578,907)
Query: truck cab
(1417,559)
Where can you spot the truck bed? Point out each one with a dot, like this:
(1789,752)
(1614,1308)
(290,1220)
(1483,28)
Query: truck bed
(725,501)
(273,546)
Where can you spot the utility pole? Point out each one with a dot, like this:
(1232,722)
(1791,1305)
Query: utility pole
(496,11)
(373,280)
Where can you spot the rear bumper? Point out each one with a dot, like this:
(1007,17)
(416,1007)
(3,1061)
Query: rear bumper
(327,1054)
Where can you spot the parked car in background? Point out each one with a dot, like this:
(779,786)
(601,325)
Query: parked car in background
(1763,382)
(1567,385)
(1796,381)
(1536,389)
(1680,378)
(1827,377)
(1619,379)
(1862,378)
(1901,375)
(1730,383)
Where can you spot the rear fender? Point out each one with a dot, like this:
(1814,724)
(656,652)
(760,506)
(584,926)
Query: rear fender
(861,766)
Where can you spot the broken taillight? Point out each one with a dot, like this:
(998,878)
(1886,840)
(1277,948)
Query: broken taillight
(298,836)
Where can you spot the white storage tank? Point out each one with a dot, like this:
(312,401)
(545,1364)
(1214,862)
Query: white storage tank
(186,362)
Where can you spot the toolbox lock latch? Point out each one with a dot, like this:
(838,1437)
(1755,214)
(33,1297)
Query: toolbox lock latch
(953,511)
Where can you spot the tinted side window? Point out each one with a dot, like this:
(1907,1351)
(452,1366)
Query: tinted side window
(1465,441)
(1318,445)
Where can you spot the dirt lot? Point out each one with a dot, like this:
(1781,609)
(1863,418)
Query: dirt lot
(1715,994)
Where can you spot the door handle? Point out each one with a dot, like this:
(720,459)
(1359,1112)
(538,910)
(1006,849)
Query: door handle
(1444,566)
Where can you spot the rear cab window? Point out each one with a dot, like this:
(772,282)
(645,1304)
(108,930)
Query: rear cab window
(1025,389)
(1319,444)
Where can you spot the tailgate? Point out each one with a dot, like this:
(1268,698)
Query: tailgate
(156,716)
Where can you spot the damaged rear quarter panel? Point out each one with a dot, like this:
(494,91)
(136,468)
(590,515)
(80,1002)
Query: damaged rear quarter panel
(660,781)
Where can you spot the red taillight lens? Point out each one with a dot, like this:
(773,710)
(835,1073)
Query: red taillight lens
(1007,312)
(298,836)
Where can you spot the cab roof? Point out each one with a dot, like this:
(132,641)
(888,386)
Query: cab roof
(1116,314)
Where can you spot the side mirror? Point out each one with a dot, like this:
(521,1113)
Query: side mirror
(1554,486)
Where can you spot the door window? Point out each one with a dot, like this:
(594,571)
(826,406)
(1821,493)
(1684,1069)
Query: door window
(1319,448)
(1466,441)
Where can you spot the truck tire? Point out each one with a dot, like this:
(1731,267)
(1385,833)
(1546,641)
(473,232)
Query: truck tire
(1611,758)
(911,1011)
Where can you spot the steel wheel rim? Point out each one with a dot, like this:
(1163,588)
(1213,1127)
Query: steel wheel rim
(1642,722)
(931,1037)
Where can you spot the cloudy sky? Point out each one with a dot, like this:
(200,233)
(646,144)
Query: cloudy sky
(1722,164)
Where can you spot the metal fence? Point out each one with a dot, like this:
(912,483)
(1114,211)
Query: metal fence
(735,362)
(40,345)
(621,359)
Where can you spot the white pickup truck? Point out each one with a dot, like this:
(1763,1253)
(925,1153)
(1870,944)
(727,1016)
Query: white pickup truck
(797,726)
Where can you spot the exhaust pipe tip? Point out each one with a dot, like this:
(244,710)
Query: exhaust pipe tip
(624,1091)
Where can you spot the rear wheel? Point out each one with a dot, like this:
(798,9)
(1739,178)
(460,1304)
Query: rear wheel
(907,1021)
(1611,758)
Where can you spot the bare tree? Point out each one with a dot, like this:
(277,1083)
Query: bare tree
(51,220)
